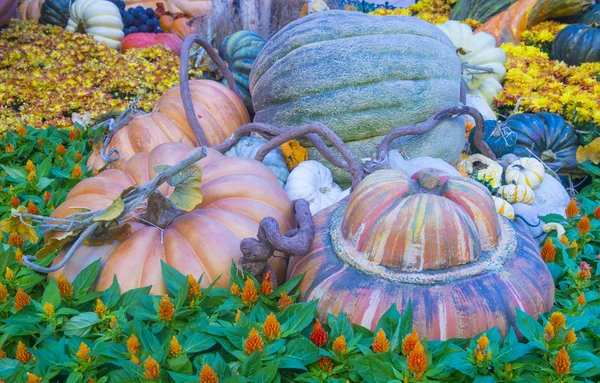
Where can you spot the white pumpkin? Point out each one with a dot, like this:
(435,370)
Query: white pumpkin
(504,208)
(413,165)
(312,181)
(517,193)
(100,18)
(482,106)
(477,49)
(525,171)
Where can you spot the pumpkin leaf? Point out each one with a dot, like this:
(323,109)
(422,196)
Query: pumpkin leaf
(112,212)
(590,152)
(187,195)
(13,224)
(56,243)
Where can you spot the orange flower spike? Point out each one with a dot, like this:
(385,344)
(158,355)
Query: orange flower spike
(562,362)
(581,300)
(266,287)
(482,343)
(548,251)
(249,294)
(8,274)
(564,240)
(151,369)
(64,286)
(21,131)
(318,335)
(339,345)
(49,309)
(584,225)
(78,156)
(29,166)
(133,345)
(175,348)
(238,315)
(76,173)
(271,327)
(40,142)
(558,320)
(284,301)
(21,299)
(585,271)
(381,343)
(47,196)
(15,240)
(84,352)
(194,289)
(113,322)
(253,342)
(60,148)
(409,342)
(135,360)
(597,213)
(31,208)
(32,175)
(549,332)
(19,256)
(9,148)
(417,361)
(14,201)
(2,354)
(326,364)
(208,375)
(572,210)
(235,290)
(72,135)
(571,338)
(32,378)
(100,309)
(23,355)
(166,308)
(3,293)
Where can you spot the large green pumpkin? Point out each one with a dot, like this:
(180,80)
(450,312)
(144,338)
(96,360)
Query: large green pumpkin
(577,44)
(362,76)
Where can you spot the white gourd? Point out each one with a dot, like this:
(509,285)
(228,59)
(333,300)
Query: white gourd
(525,171)
(504,208)
(482,169)
(100,18)
(313,182)
(413,165)
(517,193)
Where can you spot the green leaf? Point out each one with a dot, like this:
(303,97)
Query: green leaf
(584,364)
(187,195)
(303,349)
(288,286)
(181,378)
(19,174)
(181,364)
(43,183)
(340,326)
(112,212)
(266,374)
(374,368)
(198,343)
(86,278)
(251,364)
(553,218)
(173,278)
(75,377)
(43,169)
(132,297)
(513,352)
(555,270)
(591,169)
(51,294)
(296,317)
(580,322)
(111,296)
(529,327)
(485,379)
(81,324)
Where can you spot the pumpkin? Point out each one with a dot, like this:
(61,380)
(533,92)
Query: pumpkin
(411,166)
(480,103)
(525,171)
(592,16)
(482,169)
(499,137)
(477,49)
(433,240)
(168,5)
(7,11)
(504,208)
(313,182)
(55,12)
(100,19)
(247,147)
(577,44)
(480,10)
(237,194)
(519,193)
(549,137)
(362,76)
(239,51)
(194,8)
(30,9)
(140,40)
(508,26)
(220,112)
(178,26)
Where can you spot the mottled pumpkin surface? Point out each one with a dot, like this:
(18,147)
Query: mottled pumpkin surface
(464,268)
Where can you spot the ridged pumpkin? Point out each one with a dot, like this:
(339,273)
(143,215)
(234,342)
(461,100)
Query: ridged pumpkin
(577,44)
(141,40)
(362,76)
(55,12)
(498,136)
(237,194)
(100,19)
(221,113)
(30,9)
(431,239)
(592,16)
(7,11)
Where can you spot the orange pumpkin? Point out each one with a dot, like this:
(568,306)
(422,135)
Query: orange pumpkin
(166,22)
(181,28)
(220,112)
(30,9)
(167,4)
(237,194)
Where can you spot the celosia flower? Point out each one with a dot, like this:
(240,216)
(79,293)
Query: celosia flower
(2,354)
(409,342)
(166,308)
(31,208)
(65,287)
(417,361)
(584,225)
(31,176)
(326,364)
(562,362)
(249,294)
(113,322)
(235,289)
(548,251)
(194,289)
(21,299)
(339,345)
(76,173)
(9,148)
(318,335)
(72,135)
(238,315)
(84,352)
(284,301)
(581,300)
(29,166)
(40,142)
(100,309)
(151,369)
(558,320)
(564,240)
(380,343)
(571,338)
(32,378)
(47,196)
(23,355)
(133,345)
(597,213)
(572,210)
(60,149)
(271,327)
(19,256)
(78,156)
(585,271)
(3,293)
(8,274)
(266,287)
(14,201)
(253,342)
(49,309)
(15,239)
(135,360)
(208,375)
(21,131)
(549,332)
(175,348)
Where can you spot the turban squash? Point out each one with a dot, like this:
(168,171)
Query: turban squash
(362,76)
(432,239)
(237,194)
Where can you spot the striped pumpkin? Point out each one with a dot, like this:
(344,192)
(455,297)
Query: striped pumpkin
(431,239)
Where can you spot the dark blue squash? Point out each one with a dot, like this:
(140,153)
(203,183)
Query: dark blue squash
(499,137)
(577,44)
(592,16)
(55,12)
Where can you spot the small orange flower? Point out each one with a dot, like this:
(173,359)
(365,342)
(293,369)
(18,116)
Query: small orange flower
(564,240)
(14,201)
(574,246)
(84,352)
(548,251)
(19,256)
(326,364)
(253,342)
(2,354)
(266,287)
(581,300)
(562,362)
(339,345)
(238,315)
(21,131)
(409,342)
(271,327)
(194,289)
(76,173)
(482,343)
(597,213)
(100,309)
(49,309)
(235,289)
(584,225)
(23,355)
(15,240)
(60,148)
(32,175)
(133,345)
(549,332)
(381,343)
(72,135)
(3,293)
(558,320)
(47,196)
(113,322)
(571,338)
(284,301)
(572,210)
(175,348)
(31,208)
(29,166)
(9,148)
(8,274)
(166,308)
(40,142)
(78,156)
(151,369)
(249,294)
(417,361)
(21,299)
(318,335)
(32,378)
(64,286)
(585,271)
(135,360)
(208,375)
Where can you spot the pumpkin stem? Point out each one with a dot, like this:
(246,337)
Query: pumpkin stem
(476,69)
(186,95)
(160,211)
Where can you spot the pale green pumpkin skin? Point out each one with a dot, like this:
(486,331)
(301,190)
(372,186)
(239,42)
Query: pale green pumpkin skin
(362,76)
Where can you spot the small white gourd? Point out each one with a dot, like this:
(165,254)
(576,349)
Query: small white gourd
(100,18)
(517,193)
(525,171)
(504,208)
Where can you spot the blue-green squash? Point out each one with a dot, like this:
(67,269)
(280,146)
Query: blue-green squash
(362,76)
(591,16)
(577,44)
(499,137)
(247,147)
(55,12)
